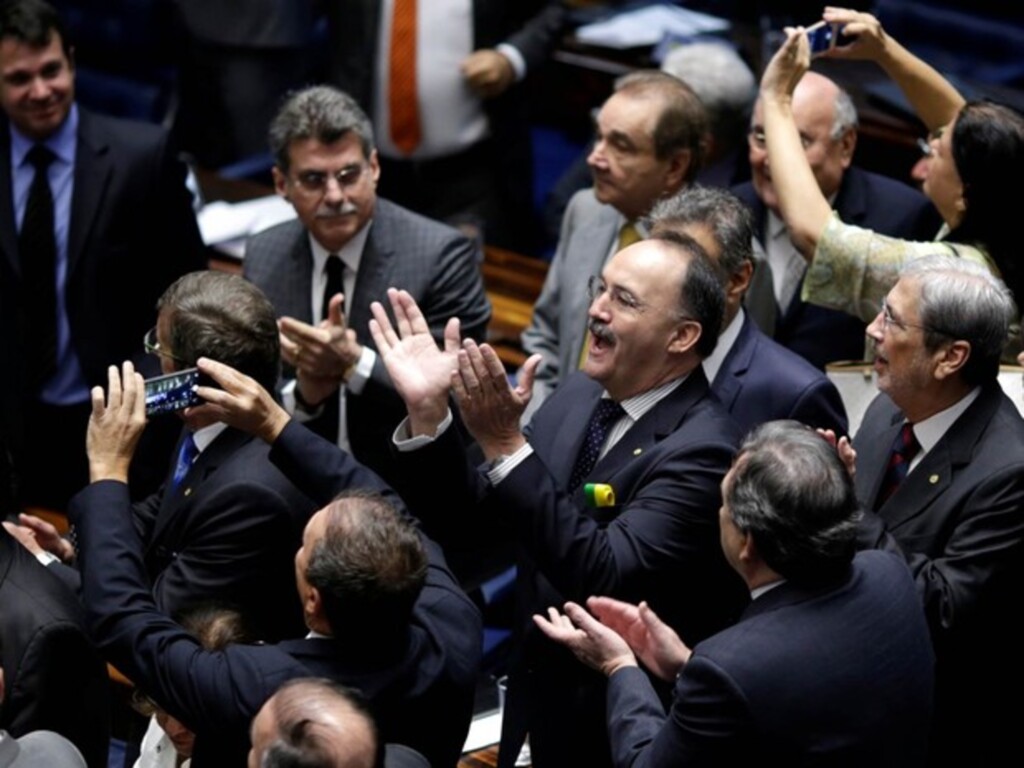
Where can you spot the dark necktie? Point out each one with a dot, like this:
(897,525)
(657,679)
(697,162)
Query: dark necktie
(186,455)
(335,269)
(904,448)
(37,248)
(602,419)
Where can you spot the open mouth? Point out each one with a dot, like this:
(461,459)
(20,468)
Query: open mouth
(600,337)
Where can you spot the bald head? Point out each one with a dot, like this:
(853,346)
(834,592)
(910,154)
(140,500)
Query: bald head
(827,122)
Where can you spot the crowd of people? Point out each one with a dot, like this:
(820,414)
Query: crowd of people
(708,566)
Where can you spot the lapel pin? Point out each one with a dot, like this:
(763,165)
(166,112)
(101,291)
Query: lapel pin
(933,479)
(599,495)
(188,491)
(637,451)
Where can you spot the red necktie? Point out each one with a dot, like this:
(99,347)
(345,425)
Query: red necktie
(403,104)
(904,448)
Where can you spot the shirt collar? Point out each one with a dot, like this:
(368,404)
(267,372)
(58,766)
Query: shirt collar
(713,362)
(636,406)
(929,431)
(206,435)
(61,142)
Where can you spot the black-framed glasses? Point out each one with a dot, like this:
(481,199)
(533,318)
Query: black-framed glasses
(151,344)
(317,181)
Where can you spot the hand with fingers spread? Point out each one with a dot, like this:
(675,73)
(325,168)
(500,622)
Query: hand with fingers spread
(787,66)
(653,641)
(593,643)
(116,424)
(491,408)
(240,401)
(322,355)
(419,369)
(37,535)
(844,448)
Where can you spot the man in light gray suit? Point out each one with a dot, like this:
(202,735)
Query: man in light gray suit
(648,144)
(347,247)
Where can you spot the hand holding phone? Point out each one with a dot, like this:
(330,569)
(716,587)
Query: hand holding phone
(822,37)
(172,392)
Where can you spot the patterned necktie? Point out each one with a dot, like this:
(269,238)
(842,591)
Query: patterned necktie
(335,269)
(403,99)
(37,247)
(186,455)
(602,419)
(904,448)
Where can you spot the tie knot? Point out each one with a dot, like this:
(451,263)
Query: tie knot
(907,444)
(40,157)
(628,235)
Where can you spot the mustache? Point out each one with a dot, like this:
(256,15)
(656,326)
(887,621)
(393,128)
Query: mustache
(599,330)
(327,212)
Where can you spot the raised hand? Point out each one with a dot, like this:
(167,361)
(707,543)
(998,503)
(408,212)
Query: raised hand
(653,641)
(844,448)
(420,370)
(327,350)
(488,72)
(596,645)
(862,38)
(787,66)
(116,424)
(240,401)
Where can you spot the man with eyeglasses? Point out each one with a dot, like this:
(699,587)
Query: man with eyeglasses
(96,222)
(347,240)
(613,486)
(827,121)
(940,471)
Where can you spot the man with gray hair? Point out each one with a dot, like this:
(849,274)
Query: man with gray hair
(830,663)
(827,121)
(940,467)
(348,241)
(756,379)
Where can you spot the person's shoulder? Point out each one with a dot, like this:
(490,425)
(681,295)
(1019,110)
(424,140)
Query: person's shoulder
(270,241)
(121,133)
(785,366)
(391,219)
(882,189)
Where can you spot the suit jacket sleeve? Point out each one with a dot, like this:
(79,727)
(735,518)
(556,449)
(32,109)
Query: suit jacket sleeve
(539,35)
(707,720)
(821,407)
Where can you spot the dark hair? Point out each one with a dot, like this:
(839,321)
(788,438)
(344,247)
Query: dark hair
(33,23)
(682,123)
(304,737)
(724,214)
(369,563)
(988,148)
(226,318)
(319,112)
(702,298)
(792,494)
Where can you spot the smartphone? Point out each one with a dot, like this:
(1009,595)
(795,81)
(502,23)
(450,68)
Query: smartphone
(823,37)
(173,392)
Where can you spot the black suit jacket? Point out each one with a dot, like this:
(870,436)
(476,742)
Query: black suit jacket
(435,263)
(839,674)
(959,520)
(761,381)
(661,534)
(54,679)
(866,200)
(418,687)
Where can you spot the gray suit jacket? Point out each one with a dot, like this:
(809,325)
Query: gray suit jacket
(559,320)
(434,262)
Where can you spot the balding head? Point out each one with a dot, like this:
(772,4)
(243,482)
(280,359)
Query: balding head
(827,122)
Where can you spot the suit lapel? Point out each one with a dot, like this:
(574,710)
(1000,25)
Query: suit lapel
(729,381)
(300,277)
(374,274)
(873,451)
(93,169)
(8,230)
(567,442)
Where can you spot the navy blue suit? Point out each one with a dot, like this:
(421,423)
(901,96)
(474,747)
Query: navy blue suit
(760,381)
(838,674)
(866,200)
(660,537)
(419,687)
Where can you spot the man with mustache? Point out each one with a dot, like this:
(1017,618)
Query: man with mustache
(613,486)
(348,241)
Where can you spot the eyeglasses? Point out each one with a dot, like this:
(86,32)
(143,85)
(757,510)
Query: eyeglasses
(620,297)
(757,139)
(317,181)
(925,145)
(889,320)
(151,344)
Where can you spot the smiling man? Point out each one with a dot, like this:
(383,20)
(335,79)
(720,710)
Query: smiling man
(95,222)
(648,145)
(940,466)
(347,240)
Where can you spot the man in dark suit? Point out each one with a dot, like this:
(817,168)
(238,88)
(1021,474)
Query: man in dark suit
(349,241)
(756,379)
(830,663)
(827,121)
(940,467)
(614,489)
(462,153)
(89,242)
(51,677)
(384,614)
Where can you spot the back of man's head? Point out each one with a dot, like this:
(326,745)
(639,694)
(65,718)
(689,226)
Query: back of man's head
(33,23)
(226,318)
(791,493)
(720,212)
(319,112)
(961,300)
(369,568)
(682,122)
(317,723)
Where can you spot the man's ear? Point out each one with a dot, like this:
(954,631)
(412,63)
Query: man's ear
(951,358)
(685,336)
(739,282)
(847,144)
(678,167)
(280,183)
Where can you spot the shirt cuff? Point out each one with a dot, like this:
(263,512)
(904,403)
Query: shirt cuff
(290,402)
(503,469)
(515,58)
(46,558)
(406,443)
(362,372)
